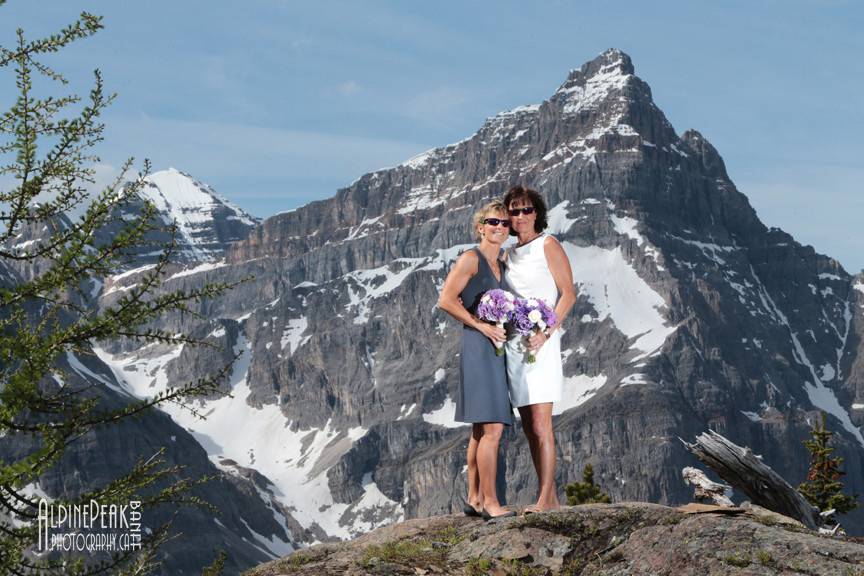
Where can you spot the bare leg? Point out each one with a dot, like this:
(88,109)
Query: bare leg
(526,416)
(475,496)
(487,464)
(537,423)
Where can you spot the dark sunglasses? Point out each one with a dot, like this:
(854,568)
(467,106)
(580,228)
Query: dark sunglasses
(496,222)
(525,211)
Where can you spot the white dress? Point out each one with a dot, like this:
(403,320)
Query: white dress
(528,276)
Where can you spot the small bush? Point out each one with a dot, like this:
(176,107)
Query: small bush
(586,492)
(478,567)
(764,557)
(737,559)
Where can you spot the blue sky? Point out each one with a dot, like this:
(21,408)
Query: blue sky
(276,103)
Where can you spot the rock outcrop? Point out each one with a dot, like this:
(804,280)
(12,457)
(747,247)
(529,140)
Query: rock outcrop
(626,539)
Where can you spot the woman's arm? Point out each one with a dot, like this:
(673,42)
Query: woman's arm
(559,266)
(464,269)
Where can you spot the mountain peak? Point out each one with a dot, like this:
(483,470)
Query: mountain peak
(205,220)
(586,87)
(178,195)
(612,58)
(610,63)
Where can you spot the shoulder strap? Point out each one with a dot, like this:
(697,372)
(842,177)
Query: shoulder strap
(481,258)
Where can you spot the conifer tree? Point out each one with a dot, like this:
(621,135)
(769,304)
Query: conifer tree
(586,492)
(823,487)
(47,309)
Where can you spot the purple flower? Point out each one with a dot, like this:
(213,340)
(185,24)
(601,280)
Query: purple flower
(531,315)
(496,306)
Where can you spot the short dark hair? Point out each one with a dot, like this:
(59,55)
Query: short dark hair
(523,193)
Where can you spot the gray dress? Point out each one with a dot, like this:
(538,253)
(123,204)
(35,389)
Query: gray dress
(483,394)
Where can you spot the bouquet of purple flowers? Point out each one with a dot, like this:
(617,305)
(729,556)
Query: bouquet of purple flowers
(496,306)
(529,316)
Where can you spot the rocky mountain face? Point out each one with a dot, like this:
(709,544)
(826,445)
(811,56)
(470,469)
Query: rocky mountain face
(691,314)
(626,539)
(247,525)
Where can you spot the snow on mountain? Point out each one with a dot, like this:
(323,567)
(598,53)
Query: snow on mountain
(262,439)
(205,220)
(187,200)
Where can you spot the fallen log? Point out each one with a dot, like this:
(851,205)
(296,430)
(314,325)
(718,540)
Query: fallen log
(706,490)
(745,472)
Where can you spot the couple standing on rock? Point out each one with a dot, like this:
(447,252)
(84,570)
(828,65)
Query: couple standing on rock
(490,385)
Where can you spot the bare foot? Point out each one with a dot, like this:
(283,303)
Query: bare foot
(495,510)
(543,506)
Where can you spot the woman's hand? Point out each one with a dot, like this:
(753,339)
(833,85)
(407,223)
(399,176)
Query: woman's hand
(536,341)
(492,331)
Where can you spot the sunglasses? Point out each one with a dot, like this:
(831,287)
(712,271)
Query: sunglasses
(525,211)
(496,222)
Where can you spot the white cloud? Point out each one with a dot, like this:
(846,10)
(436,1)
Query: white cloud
(348,88)
(440,107)
(104,175)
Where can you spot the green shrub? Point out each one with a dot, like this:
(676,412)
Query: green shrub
(585,492)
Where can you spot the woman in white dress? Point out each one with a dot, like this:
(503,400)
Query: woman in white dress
(537,267)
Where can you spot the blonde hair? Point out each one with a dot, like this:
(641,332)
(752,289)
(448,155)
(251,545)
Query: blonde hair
(495,206)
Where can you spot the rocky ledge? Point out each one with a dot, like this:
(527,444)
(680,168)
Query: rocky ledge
(610,539)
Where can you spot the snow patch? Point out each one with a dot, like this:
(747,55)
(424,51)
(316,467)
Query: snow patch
(616,291)
(375,504)
(577,390)
(205,267)
(594,90)
(752,416)
(260,438)
(632,379)
(626,226)
(367,285)
(826,276)
(406,411)
(88,375)
(292,335)
(445,415)
(133,271)
(558,221)
(362,229)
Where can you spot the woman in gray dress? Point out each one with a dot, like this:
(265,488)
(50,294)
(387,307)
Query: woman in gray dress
(483,398)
